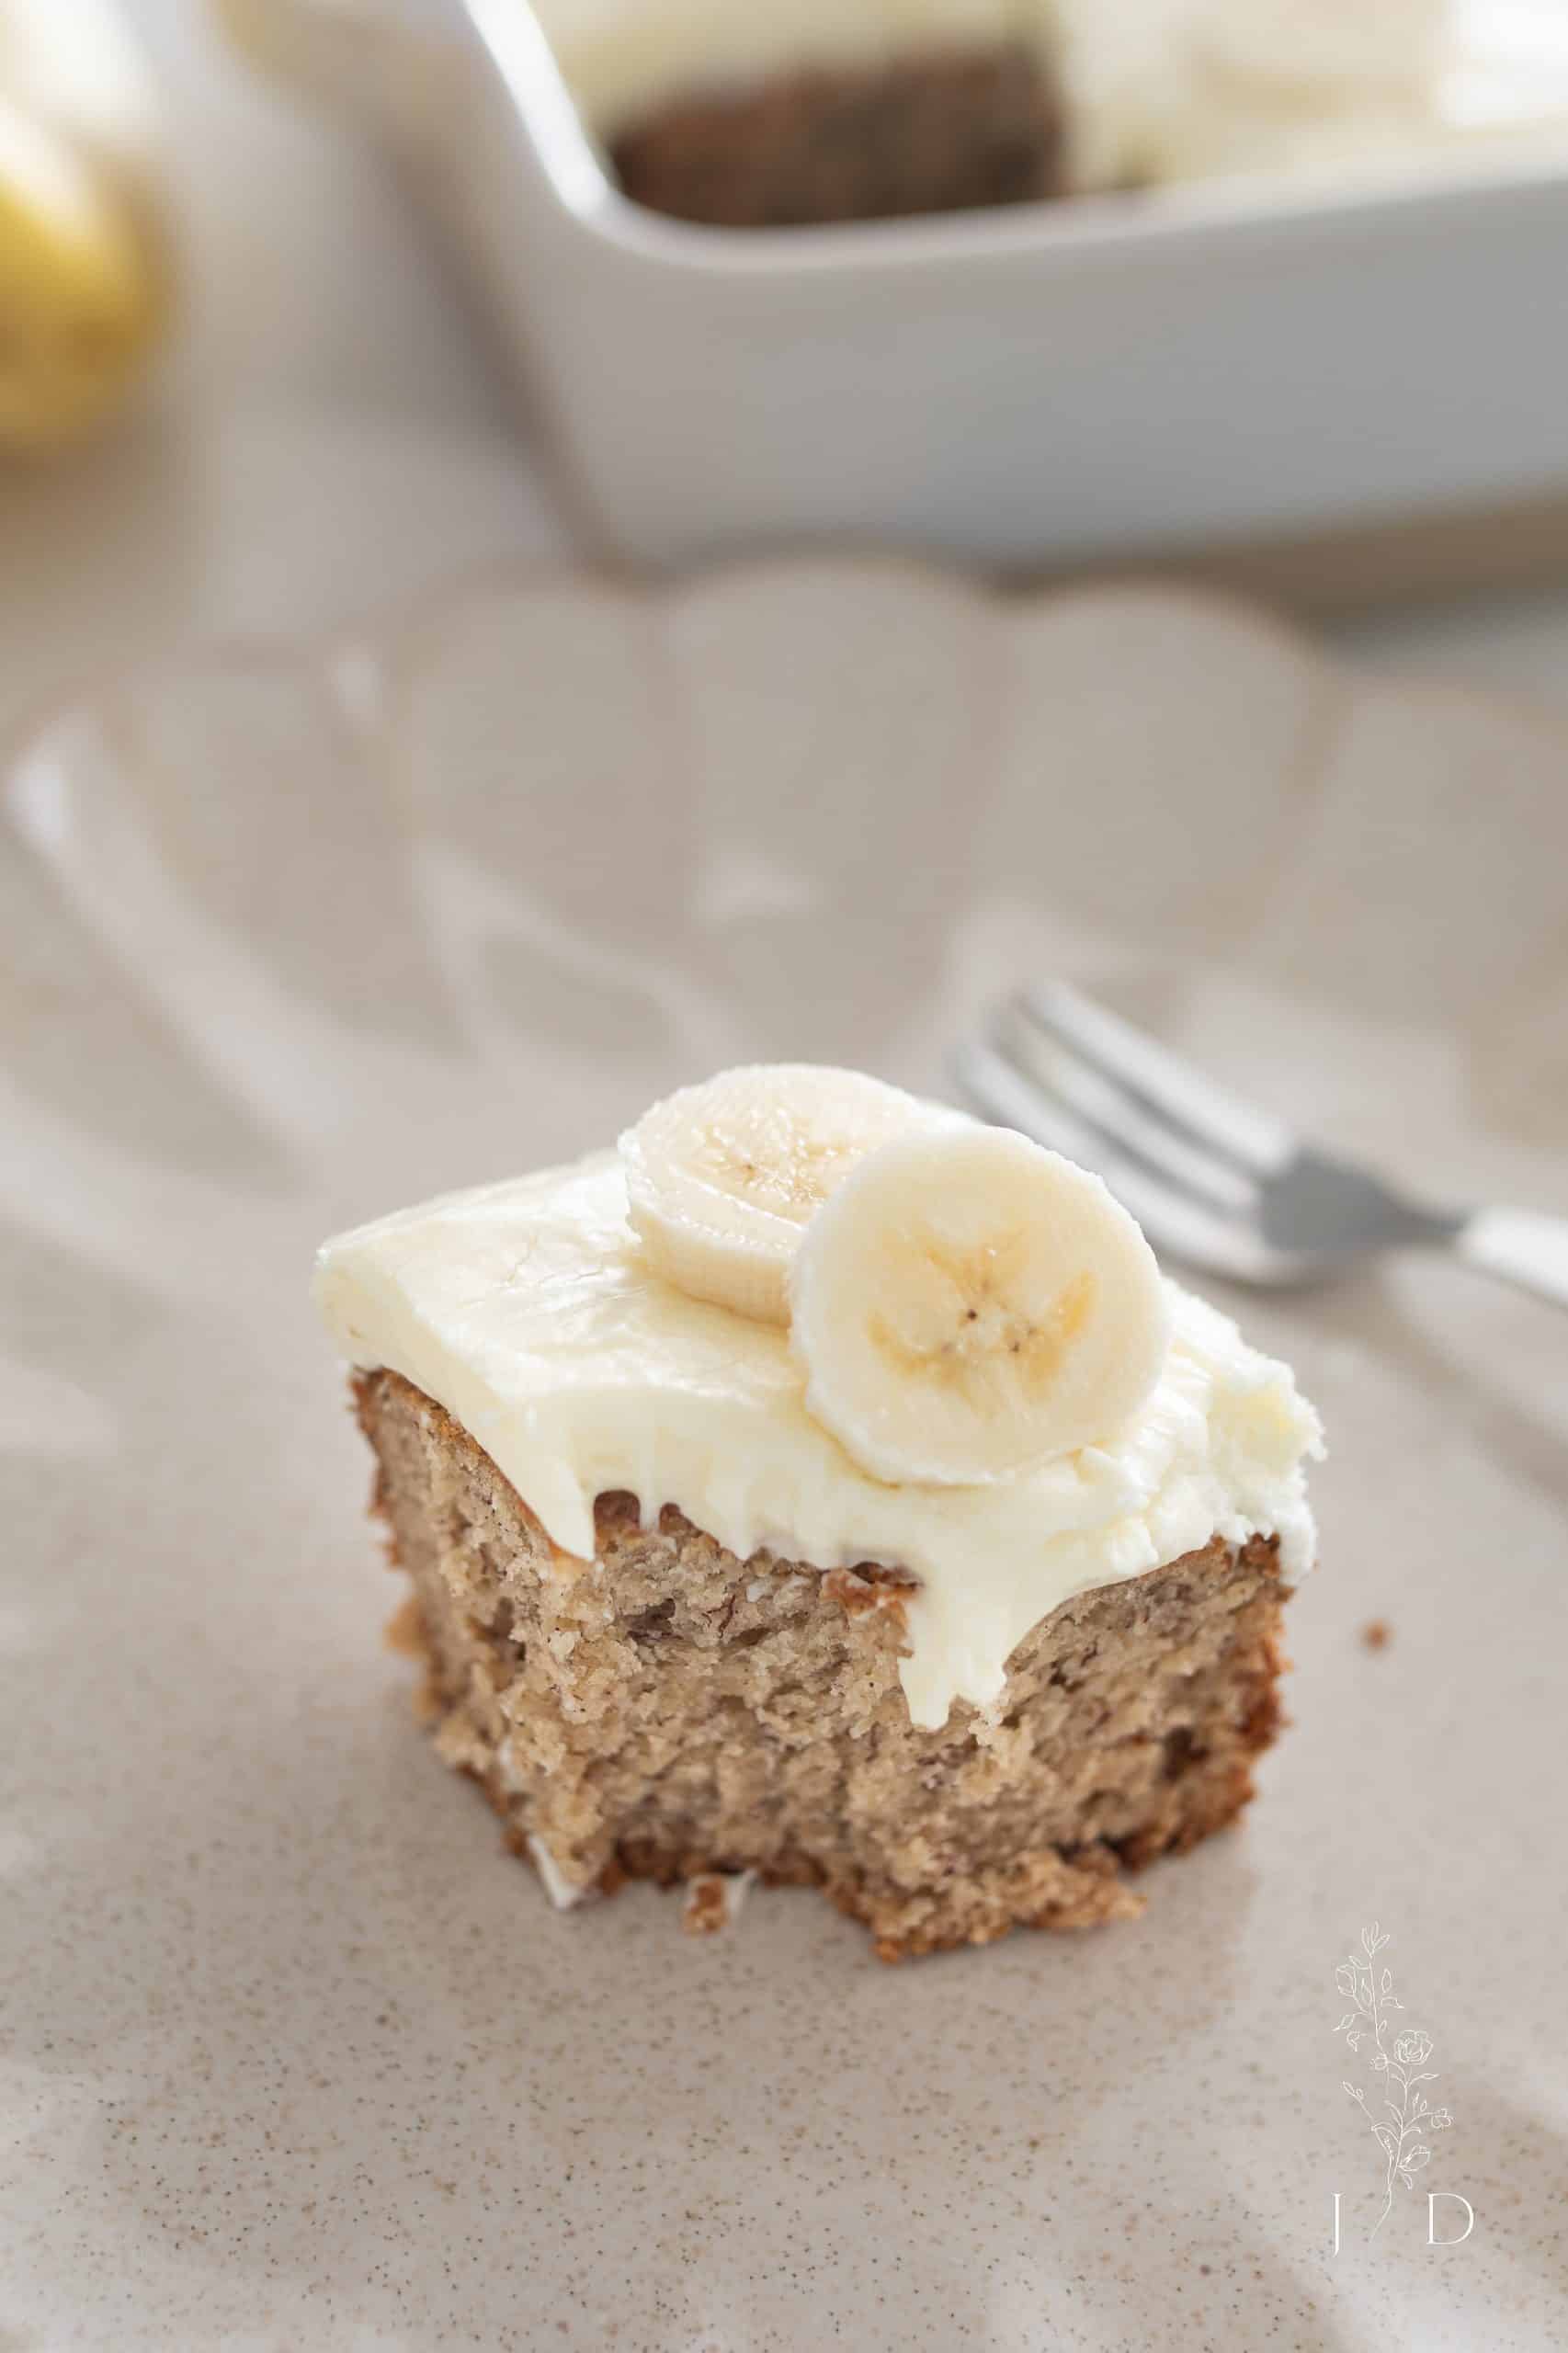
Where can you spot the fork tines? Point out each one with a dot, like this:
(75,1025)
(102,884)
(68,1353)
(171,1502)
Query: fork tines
(1187,1160)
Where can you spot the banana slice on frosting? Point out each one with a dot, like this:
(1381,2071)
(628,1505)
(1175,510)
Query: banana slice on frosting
(721,1178)
(966,1305)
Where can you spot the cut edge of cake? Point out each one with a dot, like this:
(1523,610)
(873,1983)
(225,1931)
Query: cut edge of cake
(670,1711)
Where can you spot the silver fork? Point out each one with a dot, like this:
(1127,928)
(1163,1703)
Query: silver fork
(1210,1178)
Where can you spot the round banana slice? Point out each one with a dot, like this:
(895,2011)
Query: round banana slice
(721,1177)
(967,1305)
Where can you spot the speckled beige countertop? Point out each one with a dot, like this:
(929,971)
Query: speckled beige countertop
(297,2056)
(296,2061)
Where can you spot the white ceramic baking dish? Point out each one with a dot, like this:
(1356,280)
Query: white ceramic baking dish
(1032,387)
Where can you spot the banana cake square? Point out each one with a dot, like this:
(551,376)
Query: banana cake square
(771,113)
(826,1487)
(758,114)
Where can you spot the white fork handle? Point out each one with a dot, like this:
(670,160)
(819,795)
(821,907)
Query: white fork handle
(1525,1246)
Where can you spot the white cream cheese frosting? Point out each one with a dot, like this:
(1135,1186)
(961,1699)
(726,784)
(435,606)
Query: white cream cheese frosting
(529,1310)
(625,58)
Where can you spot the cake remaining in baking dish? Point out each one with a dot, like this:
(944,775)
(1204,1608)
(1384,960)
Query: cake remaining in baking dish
(939,130)
(757,113)
(829,1487)
(754,113)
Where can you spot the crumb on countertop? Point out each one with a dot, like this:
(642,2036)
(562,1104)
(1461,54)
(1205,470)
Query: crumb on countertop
(405,1630)
(1376,1634)
(714,1901)
(705,1911)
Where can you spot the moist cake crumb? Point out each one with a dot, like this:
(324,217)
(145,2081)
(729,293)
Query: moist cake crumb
(404,1631)
(670,1711)
(713,1901)
(947,132)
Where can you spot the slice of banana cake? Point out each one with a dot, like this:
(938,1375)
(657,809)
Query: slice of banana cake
(771,113)
(827,1487)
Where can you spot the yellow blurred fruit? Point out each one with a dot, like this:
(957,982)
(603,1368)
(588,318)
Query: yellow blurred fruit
(84,274)
(80,297)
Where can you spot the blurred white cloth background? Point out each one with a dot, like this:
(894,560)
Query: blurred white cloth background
(327,435)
